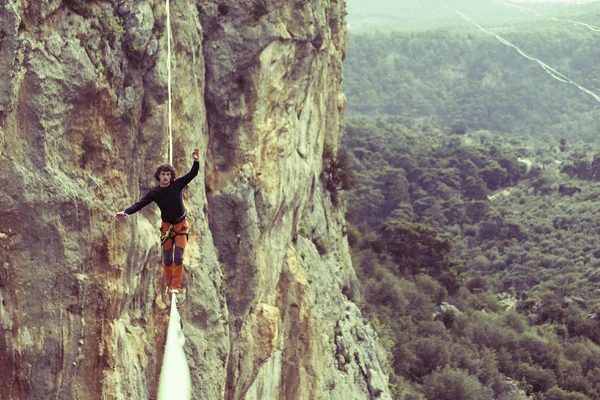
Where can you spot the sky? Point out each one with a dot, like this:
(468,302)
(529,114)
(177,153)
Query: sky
(554,1)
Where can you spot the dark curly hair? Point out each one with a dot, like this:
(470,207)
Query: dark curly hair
(164,167)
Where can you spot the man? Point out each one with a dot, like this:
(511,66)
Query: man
(174,228)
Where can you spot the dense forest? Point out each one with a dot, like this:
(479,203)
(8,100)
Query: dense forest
(472,184)
(472,78)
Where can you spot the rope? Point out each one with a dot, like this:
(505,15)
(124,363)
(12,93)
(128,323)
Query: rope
(175,381)
(169,81)
(540,14)
(551,71)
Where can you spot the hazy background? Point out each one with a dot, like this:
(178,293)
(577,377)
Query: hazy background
(411,15)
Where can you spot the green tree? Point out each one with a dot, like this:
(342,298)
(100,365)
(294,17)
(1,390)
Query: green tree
(415,247)
(453,384)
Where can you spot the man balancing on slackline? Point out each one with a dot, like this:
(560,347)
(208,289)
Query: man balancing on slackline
(174,228)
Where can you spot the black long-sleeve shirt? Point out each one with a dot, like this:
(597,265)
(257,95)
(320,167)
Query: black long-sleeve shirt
(169,198)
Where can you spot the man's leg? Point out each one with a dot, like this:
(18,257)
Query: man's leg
(167,254)
(180,243)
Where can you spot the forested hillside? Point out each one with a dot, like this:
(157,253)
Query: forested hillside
(472,210)
(472,78)
(479,259)
(410,15)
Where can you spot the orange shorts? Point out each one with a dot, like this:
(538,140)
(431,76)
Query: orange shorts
(173,249)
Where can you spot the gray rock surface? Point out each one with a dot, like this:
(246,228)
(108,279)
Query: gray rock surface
(83,105)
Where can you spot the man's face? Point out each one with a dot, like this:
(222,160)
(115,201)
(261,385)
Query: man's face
(165,178)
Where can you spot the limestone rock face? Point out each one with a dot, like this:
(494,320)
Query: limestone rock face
(83,124)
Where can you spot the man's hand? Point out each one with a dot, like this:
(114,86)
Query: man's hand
(120,216)
(196,154)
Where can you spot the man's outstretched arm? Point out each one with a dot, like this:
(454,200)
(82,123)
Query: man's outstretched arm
(187,178)
(147,199)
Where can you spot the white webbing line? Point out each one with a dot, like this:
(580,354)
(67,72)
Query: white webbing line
(540,14)
(169,82)
(174,382)
(551,71)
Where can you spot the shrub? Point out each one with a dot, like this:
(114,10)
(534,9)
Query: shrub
(538,378)
(453,384)
(477,284)
(543,350)
(479,362)
(432,288)
(515,321)
(487,332)
(354,235)
(338,169)
(584,353)
(457,128)
(557,393)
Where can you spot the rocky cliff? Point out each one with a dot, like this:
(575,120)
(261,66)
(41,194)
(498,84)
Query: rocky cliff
(268,304)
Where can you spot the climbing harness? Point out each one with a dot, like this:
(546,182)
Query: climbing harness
(168,235)
(171,230)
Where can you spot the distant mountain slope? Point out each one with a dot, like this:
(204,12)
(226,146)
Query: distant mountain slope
(471,77)
(415,15)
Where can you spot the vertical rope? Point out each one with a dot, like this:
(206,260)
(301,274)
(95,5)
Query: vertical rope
(169,82)
(175,380)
